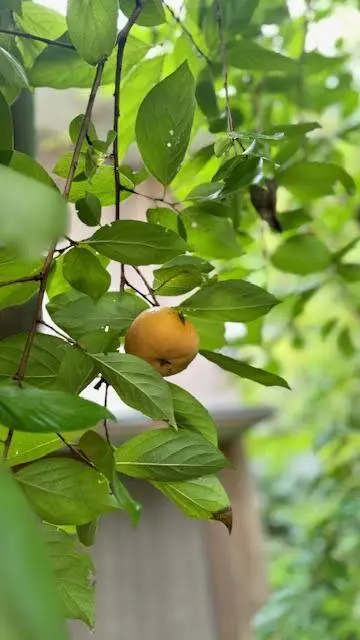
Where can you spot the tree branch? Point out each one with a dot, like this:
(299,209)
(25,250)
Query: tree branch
(30,36)
(35,278)
(187,33)
(20,372)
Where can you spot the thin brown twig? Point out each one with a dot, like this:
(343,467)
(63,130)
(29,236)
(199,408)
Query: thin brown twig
(106,428)
(187,33)
(7,443)
(140,293)
(20,372)
(147,285)
(59,333)
(75,451)
(35,278)
(121,42)
(30,36)
(173,205)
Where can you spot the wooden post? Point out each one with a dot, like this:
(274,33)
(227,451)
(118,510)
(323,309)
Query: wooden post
(237,561)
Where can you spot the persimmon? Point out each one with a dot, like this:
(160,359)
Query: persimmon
(164,338)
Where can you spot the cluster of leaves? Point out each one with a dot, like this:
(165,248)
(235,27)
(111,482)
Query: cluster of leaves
(220,75)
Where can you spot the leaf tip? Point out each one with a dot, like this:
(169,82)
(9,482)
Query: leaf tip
(225,516)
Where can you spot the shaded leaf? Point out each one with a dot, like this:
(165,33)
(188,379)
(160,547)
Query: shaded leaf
(16,294)
(294,219)
(65,491)
(137,243)
(12,73)
(180,275)
(244,370)
(84,272)
(210,236)
(6,131)
(349,272)
(164,217)
(302,254)
(165,454)
(191,414)
(43,411)
(151,15)
(164,122)
(308,180)
(87,532)
(231,300)
(248,55)
(138,384)
(89,209)
(76,371)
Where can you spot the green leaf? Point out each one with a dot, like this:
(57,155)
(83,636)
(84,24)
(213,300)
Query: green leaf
(309,180)
(26,447)
(26,165)
(6,131)
(245,54)
(164,454)
(89,209)
(87,532)
(208,235)
(12,268)
(73,571)
(92,27)
(349,272)
(151,15)
(60,68)
(229,301)
(164,217)
(205,94)
(236,15)
(137,243)
(65,491)
(211,333)
(12,73)
(206,191)
(45,358)
(180,275)
(294,219)
(29,605)
(138,384)
(293,130)
(345,343)
(43,411)
(244,370)
(75,373)
(84,272)
(245,172)
(102,455)
(164,122)
(302,254)
(202,498)
(101,184)
(14,5)
(78,314)
(190,414)
(29,230)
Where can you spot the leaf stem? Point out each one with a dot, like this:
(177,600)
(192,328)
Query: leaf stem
(187,33)
(7,443)
(147,285)
(30,36)
(35,278)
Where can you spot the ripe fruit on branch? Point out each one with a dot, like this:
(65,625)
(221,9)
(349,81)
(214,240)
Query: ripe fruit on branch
(164,338)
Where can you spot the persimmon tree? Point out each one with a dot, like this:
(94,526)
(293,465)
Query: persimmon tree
(210,70)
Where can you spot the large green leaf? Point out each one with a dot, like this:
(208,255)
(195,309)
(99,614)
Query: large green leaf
(76,371)
(301,254)
(137,243)
(191,414)
(44,362)
(6,131)
(88,209)
(180,275)
(65,491)
(151,15)
(244,370)
(164,122)
(29,606)
(138,384)
(102,455)
(73,571)
(78,314)
(43,411)
(231,301)
(243,172)
(61,68)
(210,236)
(165,454)
(26,447)
(309,180)
(248,55)
(201,498)
(30,227)
(92,27)
(84,272)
